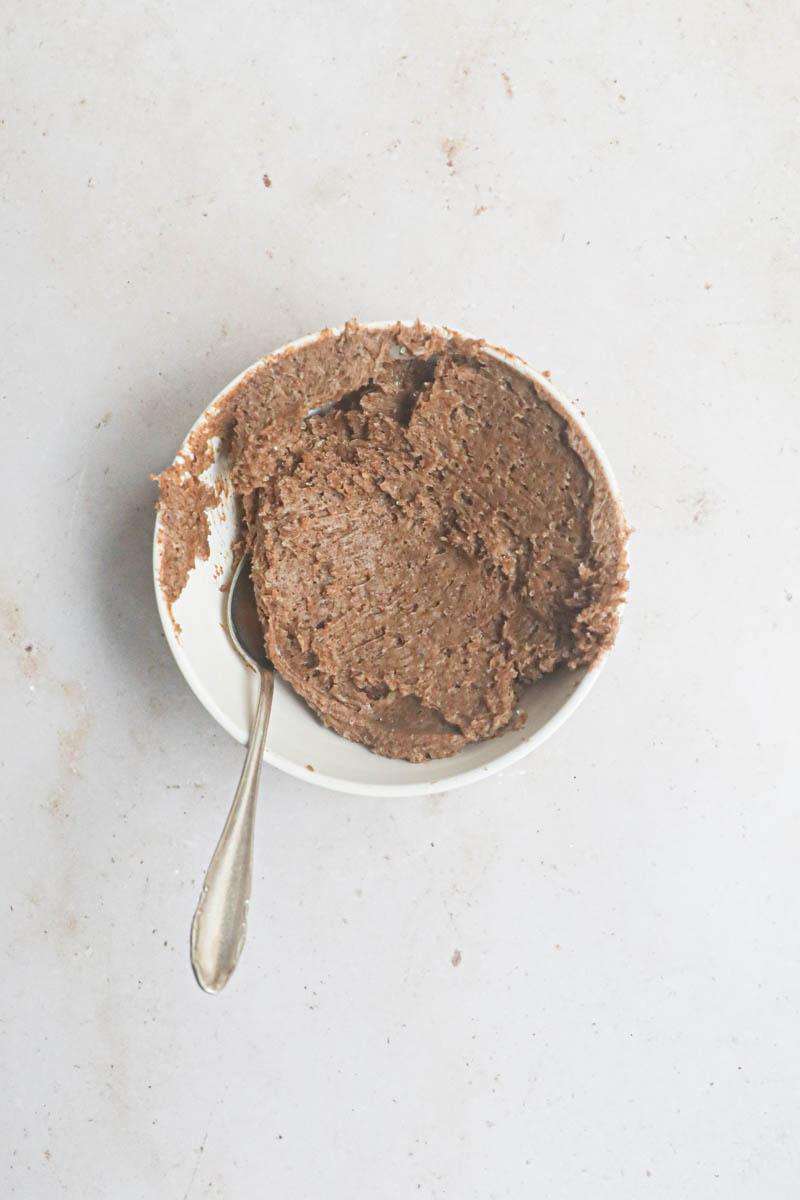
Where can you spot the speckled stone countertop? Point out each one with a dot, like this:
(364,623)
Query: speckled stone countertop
(579,979)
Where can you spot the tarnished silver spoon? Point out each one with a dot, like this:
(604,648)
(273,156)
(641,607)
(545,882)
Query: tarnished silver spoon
(220,920)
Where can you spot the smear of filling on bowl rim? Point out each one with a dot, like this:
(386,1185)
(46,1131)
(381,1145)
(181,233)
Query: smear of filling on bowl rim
(433,537)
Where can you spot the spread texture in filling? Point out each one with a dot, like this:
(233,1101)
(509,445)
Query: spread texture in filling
(429,534)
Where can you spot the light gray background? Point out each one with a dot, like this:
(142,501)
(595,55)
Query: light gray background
(611,191)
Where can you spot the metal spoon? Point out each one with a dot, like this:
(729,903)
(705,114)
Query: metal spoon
(220,920)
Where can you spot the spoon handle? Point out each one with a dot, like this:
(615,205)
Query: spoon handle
(220,920)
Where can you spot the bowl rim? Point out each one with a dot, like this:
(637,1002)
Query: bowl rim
(460,778)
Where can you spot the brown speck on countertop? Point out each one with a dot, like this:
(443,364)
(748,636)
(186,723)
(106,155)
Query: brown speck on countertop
(309,767)
(267,181)
(456,959)
(509,87)
(450,148)
(700,505)
(481,208)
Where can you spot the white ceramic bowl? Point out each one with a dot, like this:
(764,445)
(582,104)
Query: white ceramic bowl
(297,742)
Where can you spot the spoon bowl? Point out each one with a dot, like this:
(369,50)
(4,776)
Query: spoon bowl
(244,624)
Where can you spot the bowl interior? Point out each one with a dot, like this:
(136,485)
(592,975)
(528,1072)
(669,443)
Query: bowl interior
(297,742)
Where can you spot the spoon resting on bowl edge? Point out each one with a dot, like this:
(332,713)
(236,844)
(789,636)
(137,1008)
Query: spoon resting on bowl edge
(219,925)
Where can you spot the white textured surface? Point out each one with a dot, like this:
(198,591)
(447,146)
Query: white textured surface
(611,191)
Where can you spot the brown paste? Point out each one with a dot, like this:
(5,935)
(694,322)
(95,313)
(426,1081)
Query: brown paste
(433,537)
